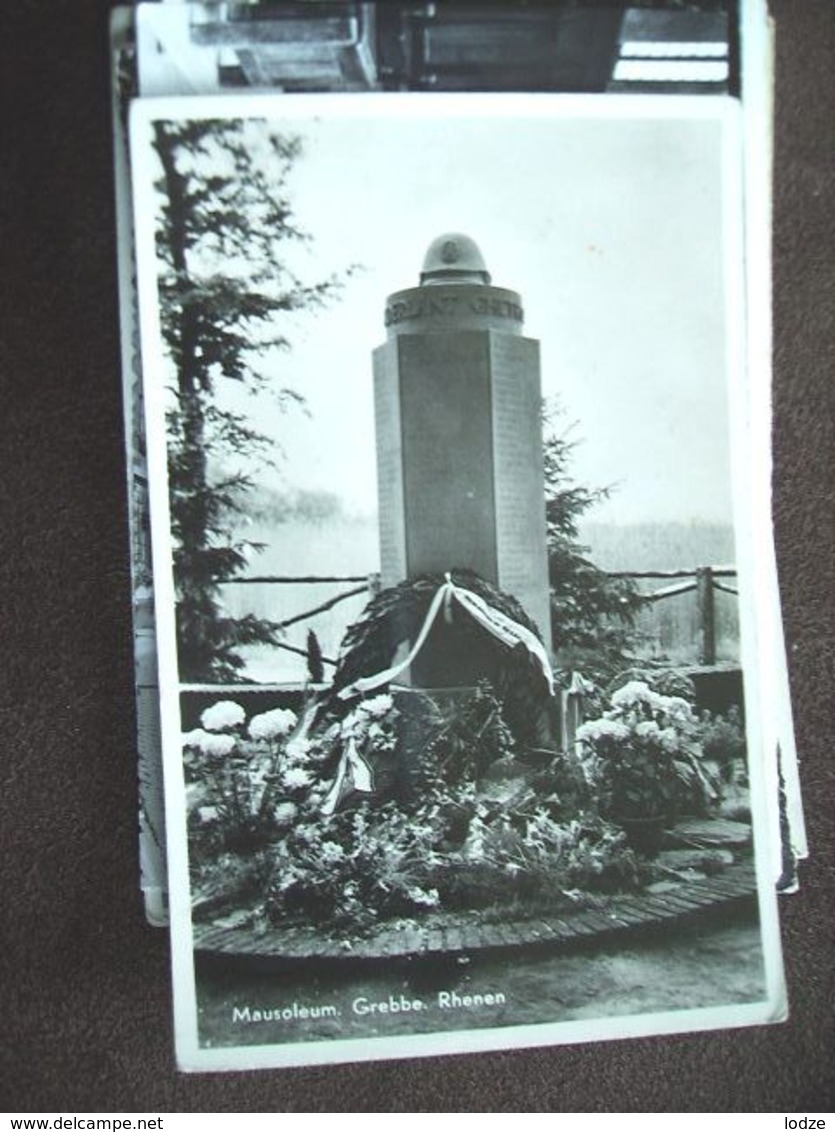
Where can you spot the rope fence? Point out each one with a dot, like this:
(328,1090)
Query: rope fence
(300,579)
(702,580)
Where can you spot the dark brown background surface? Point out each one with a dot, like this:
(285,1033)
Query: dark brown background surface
(85,988)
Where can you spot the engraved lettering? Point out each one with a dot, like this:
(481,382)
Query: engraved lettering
(446,306)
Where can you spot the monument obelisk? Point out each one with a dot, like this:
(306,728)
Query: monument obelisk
(459,442)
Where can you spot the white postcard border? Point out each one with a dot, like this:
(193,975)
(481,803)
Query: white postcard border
(404,107)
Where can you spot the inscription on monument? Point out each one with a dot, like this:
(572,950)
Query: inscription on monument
(447,457)
(450,305)
(517,469)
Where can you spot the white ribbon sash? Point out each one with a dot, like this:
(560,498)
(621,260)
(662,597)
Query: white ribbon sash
(504,629)
(353,774)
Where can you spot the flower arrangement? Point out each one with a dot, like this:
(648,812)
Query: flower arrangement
(235,774)
(352,868)
(645,757)
(448,817)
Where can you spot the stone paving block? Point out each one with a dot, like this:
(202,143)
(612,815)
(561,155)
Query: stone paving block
(733,886)
(471,936)
(389,944)
(544,929)
(686,904)
(500,935)
(567,928)
(519,933)
(599,922)
(454,939)
(710,832)
(624,915)
(413,941)
(705,859)
(530,932)
(660,908)
(662,887)
(434,940)
(702,895)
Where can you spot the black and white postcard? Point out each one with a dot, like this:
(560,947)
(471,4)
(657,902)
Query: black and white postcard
(456,609)
(181,49)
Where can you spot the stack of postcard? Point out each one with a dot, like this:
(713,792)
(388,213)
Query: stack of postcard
(464,719)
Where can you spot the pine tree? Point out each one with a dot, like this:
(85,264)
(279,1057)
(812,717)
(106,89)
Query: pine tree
(592,614)
(225,228)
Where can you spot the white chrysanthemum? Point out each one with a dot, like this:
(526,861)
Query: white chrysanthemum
(669,740)
(285,812)
(295,778)
(597,729)
(427,897)
(635,691)
(272,724)
(297,751)
(649,729)
(223,715)
(208,743)
(331,852)
(196,795)
(679,710)
(377,706)
(219,745)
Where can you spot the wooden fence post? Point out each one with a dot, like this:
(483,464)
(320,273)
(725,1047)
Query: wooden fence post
(572,711)
(707,614)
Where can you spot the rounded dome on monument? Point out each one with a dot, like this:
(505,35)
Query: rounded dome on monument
(454,258)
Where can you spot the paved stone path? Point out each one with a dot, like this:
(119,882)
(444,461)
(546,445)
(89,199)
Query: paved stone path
(458,936)
(710,832)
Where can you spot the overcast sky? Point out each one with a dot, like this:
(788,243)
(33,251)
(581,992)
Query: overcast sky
(609,227)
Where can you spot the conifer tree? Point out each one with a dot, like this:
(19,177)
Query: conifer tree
(592,614)
(225,228)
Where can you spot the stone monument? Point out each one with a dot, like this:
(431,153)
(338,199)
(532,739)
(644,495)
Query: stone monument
(459,444)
